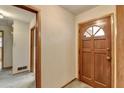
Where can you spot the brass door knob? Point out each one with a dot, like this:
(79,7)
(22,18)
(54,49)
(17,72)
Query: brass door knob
(108,49)
(108,57)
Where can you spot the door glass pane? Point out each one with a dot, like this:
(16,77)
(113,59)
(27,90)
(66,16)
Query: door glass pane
(89,30)
(95,29)
(100,33)
(86,35)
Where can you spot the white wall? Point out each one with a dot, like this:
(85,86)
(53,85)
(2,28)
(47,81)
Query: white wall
(60,42)
(58,59)
(33,22)
(8,43)
(20,45)
(94,13)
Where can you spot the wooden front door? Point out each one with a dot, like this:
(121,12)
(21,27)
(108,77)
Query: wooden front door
(95,52)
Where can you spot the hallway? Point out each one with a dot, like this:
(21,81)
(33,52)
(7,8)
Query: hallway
(22,80)
(74,44)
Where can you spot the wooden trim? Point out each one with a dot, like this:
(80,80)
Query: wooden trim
(96,18)
(38,41)
(38,50)
(68,82)
(2,49)
(79,53)
(32,42)
(112,46)
(28,8)
(113,52)
(120,47)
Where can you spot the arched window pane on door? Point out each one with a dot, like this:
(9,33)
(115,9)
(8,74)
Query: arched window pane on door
(90,30)
(87,34)
(100,33)
(95,31)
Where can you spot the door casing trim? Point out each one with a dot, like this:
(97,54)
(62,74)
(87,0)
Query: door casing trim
(2,48)
(32,30)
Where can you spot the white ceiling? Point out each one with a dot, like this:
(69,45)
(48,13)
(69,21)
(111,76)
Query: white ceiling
(77,9)
(16,13)
(26,16)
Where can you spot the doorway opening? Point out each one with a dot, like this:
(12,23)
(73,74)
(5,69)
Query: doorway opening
(37,43)
(16,68)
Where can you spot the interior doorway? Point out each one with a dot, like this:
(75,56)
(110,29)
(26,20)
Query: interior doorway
(95,52)
(16,30)
(1,50)
(38,41)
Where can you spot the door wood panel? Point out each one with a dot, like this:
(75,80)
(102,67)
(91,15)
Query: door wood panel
(95,52)
(87,64)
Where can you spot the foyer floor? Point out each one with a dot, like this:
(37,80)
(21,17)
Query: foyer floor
(77,84)
(21,80)
(27,80)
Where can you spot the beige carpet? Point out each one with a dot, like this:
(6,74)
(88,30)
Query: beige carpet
(27,80)
(22,80)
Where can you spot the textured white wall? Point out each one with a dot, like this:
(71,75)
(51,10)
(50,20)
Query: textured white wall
(58,57)
(33,22)
(20,45)
(8,44)
(60,42)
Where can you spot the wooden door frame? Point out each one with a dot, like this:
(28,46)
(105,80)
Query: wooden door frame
(38,41)
(112,47)
(120,46)
(32,40)
(2,49)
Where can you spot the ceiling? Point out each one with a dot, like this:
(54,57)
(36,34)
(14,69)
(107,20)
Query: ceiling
(16,13)
(77,9)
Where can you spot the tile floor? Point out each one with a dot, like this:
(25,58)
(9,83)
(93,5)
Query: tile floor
(21,80)
(77,84)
